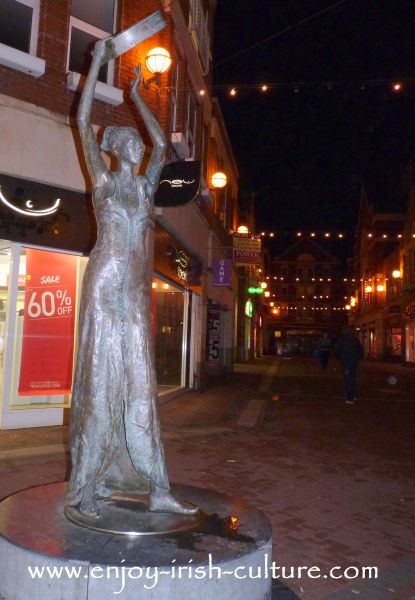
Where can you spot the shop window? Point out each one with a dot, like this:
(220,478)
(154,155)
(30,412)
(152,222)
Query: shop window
(5,262)
(90,21)
(41,315)
(394,341)
(168,308)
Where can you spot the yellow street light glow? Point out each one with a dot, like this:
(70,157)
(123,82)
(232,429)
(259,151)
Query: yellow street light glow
(264,285)
(219,179)
(396,274)
(158,60)
(264,88)
(368,289)
(380,288)
(267,294)
(242,229)
(233,92)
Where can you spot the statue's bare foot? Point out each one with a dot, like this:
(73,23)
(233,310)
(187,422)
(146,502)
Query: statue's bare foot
(88,506)
(165,502)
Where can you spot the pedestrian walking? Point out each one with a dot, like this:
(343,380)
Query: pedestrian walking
(324,351)
(349,351)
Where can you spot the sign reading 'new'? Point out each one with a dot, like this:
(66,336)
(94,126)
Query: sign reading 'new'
(246,249)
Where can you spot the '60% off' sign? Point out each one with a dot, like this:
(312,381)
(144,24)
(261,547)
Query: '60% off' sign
(50,303)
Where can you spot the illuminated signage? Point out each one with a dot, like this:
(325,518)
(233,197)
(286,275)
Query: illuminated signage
(30,210)
(255,290)
(248,308)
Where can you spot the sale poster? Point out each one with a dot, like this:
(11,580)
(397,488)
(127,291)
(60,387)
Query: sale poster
(48,325)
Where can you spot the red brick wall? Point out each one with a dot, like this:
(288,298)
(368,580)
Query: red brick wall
(49,91)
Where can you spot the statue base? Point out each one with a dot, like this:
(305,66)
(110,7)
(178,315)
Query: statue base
(225,552)
(128,515)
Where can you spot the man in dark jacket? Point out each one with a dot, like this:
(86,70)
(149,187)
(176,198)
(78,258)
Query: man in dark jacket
(350,352)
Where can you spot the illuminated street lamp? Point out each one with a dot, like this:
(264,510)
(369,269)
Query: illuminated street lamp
(368,289)
(219,179)
(396,274)
(242,229)
(158,61)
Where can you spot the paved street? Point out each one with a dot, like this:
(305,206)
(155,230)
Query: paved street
(336,480)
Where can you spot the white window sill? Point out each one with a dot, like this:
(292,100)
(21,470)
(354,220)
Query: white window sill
(104,92)
(21,61)
(180,144)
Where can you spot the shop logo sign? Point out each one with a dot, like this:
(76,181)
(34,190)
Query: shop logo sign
(177,183)
(30,210)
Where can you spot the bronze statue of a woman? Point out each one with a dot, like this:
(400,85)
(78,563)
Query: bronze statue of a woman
(115,433)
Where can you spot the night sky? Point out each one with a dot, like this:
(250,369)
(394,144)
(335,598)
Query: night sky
(317,146)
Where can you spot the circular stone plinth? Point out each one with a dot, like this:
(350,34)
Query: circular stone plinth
(126,515)
(44,556)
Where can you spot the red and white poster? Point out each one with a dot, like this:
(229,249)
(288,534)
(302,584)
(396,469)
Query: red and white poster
(48,326)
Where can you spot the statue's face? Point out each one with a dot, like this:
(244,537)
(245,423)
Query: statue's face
(132,150)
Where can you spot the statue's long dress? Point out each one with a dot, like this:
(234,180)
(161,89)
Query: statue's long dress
(115,434)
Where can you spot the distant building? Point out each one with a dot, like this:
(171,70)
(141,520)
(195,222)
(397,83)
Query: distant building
(307,298)
(384,276)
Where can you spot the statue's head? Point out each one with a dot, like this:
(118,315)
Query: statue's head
(123,142)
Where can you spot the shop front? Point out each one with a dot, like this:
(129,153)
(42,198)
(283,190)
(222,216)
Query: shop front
(45,232)
(410,334)
(176,294)
(393,338)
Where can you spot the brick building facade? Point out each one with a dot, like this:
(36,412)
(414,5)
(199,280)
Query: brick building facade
(44,52)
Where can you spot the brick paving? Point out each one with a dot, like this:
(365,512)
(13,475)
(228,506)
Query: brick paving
(336,480)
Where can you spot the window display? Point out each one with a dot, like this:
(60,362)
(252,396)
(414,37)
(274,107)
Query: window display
(168,329)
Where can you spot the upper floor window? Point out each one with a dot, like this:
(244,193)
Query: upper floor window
(174,93)
(90,21)
(19,24)
(191,122)
(198,25)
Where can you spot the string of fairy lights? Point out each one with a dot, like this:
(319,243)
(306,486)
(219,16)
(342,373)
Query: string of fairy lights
(327,235)
(241,89)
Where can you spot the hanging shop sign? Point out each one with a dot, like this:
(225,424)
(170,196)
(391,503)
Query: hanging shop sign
(246,249)
(221,272)
(48,326)
(179,183)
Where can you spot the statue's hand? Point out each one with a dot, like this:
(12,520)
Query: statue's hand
(99,49)
(135,86)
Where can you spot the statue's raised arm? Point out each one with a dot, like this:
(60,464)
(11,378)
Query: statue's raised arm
(97,169)
(156,162)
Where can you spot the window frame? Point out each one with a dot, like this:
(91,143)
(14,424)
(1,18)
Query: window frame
(76,23)
(34,30)
(190,128)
